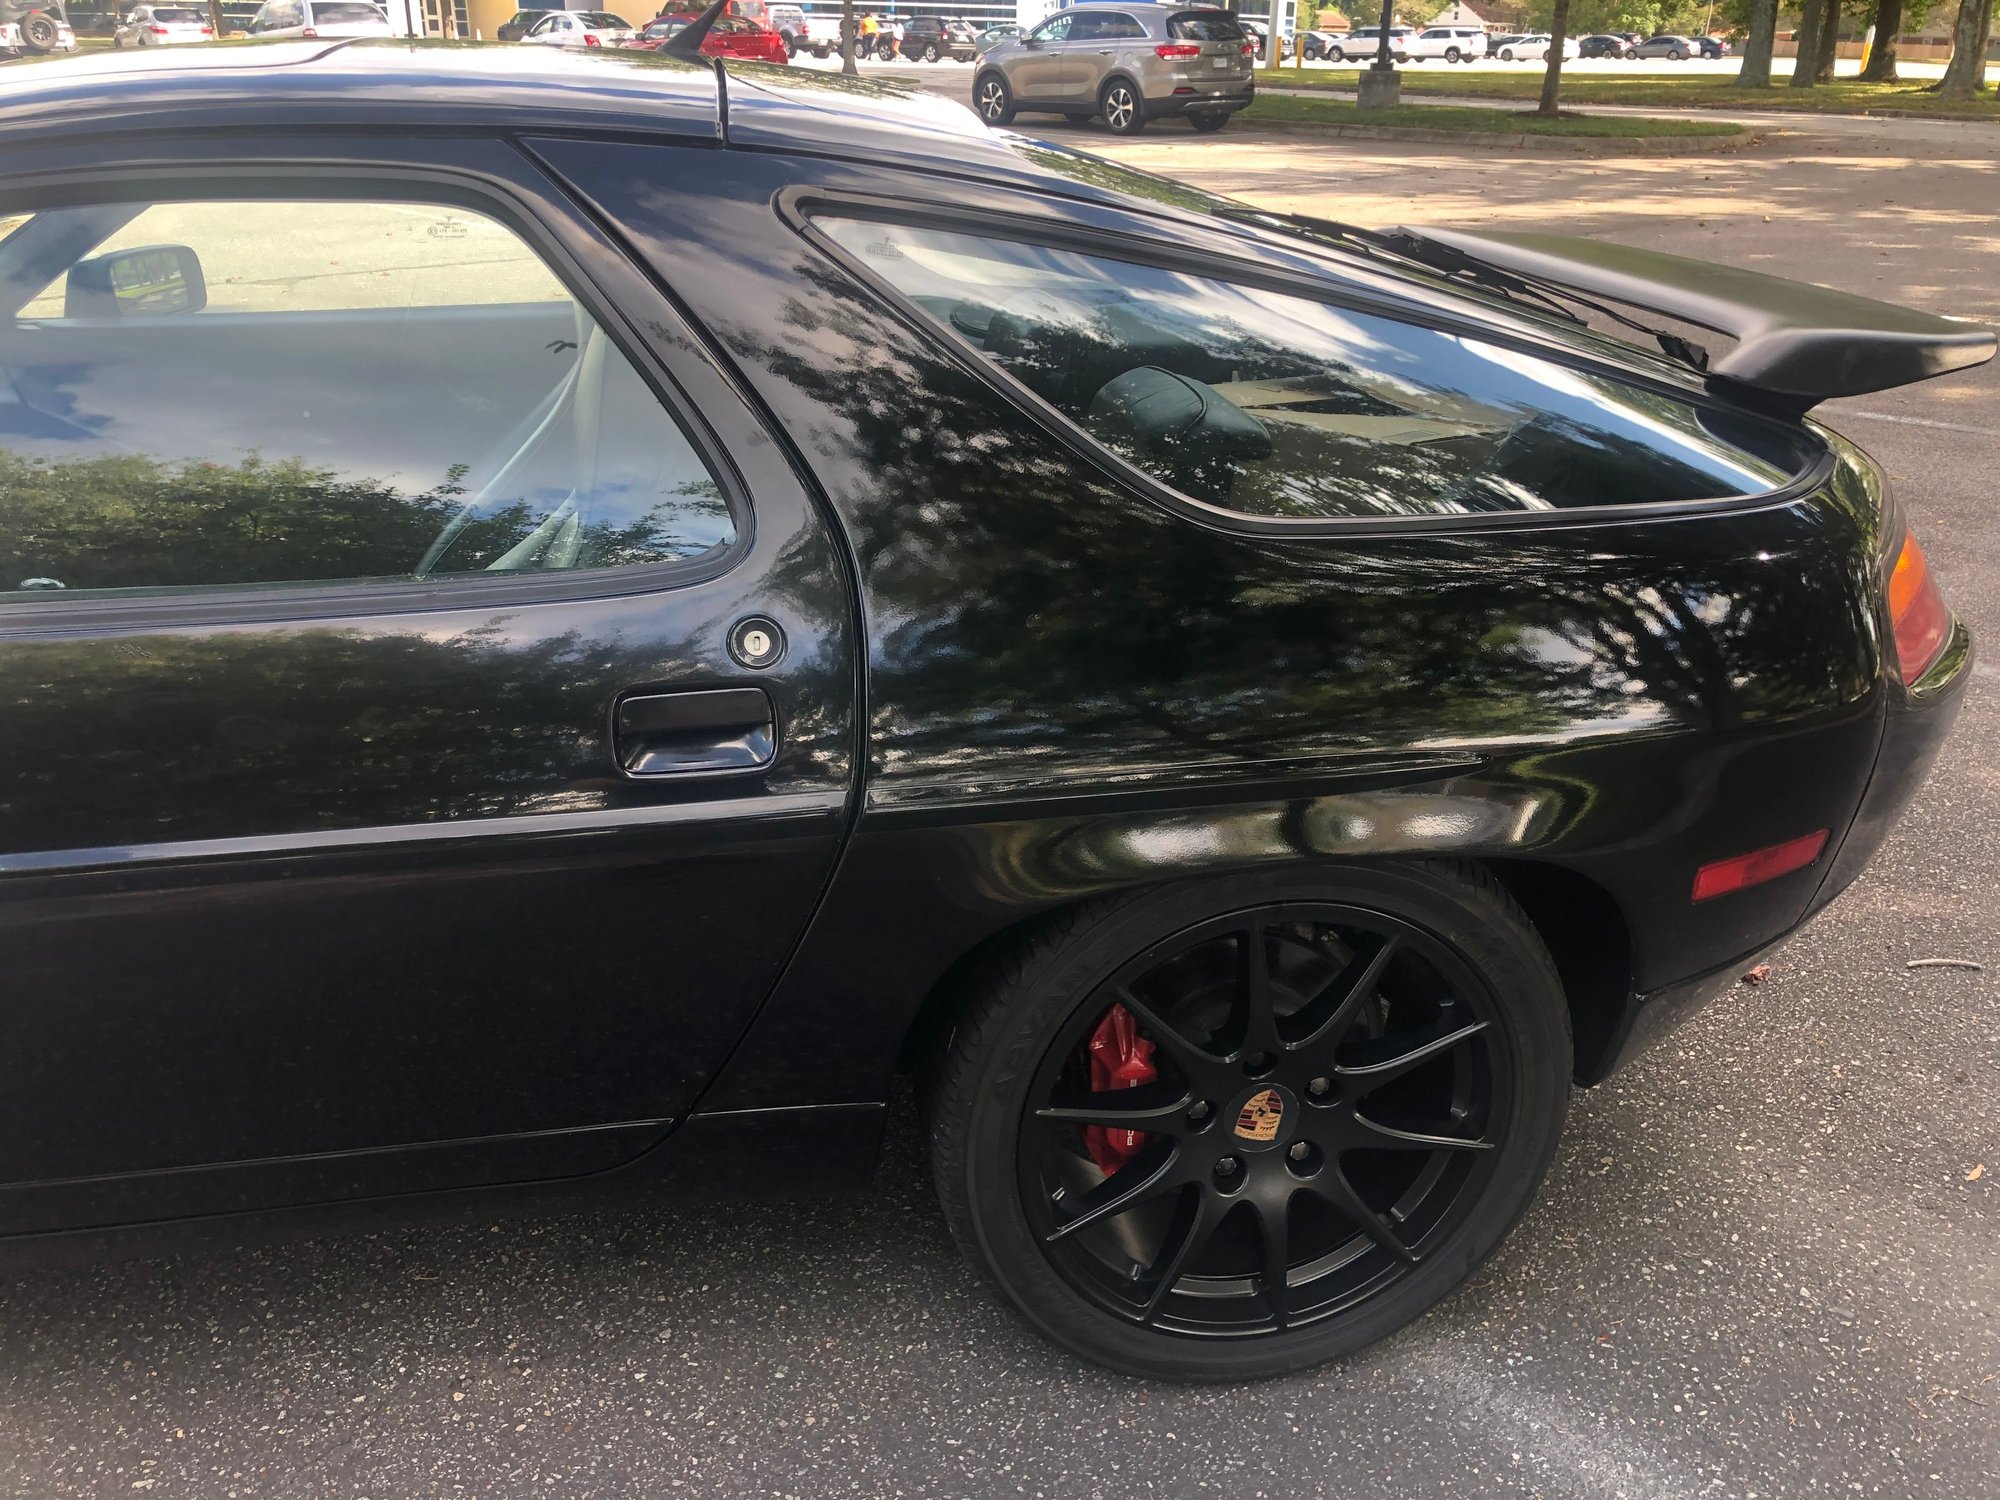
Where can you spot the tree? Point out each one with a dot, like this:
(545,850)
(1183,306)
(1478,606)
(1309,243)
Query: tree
(1552,75)
(847,39)
(1757,44)
(1805,65)
(1965,75)
(1881,65)
(1826,43)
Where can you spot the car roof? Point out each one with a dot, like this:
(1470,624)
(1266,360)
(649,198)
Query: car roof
(265,86)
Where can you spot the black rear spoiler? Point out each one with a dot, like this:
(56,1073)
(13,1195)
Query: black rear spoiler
(1797,344)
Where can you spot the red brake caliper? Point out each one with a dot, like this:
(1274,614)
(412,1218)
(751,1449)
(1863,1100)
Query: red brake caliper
(1119,1059)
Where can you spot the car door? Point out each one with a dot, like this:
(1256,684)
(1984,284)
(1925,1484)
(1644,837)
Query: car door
(1038,73)
(1087,55)
(429,688)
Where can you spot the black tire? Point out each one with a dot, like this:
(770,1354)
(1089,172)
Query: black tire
(887,51)
(931,53)
(1034,1002)
(1506,54)
(1123,107)
(1313,54)
(992,100)
(1336,55)
(1209,121)
(38,33)
(1452,54)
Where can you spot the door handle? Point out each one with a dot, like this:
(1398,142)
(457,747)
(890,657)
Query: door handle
(715,729)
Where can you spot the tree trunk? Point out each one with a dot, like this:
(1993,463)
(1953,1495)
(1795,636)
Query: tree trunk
(1756,73)
(1828,43)
(1881,65)
(1966,73)
(847,25)
(1552,77)
(1806,64)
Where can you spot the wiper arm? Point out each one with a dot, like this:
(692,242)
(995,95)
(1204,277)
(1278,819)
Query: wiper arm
(1457,265)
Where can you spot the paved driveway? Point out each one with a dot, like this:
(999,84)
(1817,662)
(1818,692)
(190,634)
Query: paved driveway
(1766,1264)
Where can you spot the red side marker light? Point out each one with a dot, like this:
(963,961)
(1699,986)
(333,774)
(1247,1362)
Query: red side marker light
(1917,611)
(1756,867)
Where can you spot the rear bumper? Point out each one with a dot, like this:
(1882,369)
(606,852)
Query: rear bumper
(1915,729)
(1205,99)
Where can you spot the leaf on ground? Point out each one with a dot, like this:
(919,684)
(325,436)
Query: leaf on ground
(1758,975)
(1976,1173)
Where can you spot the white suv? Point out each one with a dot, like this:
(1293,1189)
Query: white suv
(1452,43)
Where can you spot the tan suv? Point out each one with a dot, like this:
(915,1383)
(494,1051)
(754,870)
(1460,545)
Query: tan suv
(1128,63)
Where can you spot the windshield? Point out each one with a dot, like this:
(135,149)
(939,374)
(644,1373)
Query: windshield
(602,19)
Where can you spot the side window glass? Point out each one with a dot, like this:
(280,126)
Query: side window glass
(224,394)
(1089,28)
(1274,405)
(1053,30)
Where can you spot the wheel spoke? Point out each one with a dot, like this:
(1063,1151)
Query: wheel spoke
(1253,990)
(1389,1138)
(1149,1107)
(1274,1221)
(1333,1186)
(1360,989)
(1193,1224)
(1384,1059)
(1139,1181)
(1189,1058)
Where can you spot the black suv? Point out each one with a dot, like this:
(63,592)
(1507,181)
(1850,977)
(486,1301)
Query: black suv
(929,39)
(520,24)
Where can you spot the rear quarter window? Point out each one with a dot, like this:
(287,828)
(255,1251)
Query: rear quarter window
(1273,405)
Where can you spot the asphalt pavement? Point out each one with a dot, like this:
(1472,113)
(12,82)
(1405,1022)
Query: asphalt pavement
(1767,1262)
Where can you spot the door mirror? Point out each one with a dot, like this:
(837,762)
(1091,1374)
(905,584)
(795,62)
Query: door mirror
(150,281)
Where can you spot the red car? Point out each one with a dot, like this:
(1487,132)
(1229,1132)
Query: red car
(730,36)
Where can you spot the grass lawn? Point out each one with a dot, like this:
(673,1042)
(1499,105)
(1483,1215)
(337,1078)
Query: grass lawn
(1844,97)
(1285,109)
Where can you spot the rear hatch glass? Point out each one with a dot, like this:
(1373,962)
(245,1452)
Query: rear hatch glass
(337,14)
(1205,26)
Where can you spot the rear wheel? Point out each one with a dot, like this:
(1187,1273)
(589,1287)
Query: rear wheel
(1452,54)
(1506,54)
(1123,109)
(994,100)
(1237,1128)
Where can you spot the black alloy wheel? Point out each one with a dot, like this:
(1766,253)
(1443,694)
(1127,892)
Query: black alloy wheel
(994,100)
(1232,1130)
(1123,110)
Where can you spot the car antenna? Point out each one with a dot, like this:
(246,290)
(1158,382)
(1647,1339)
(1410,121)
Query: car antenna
(687,41)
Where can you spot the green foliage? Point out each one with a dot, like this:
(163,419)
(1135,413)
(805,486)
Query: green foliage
(1647,17)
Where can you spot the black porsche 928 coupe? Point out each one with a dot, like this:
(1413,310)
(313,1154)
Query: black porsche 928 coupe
(564,619)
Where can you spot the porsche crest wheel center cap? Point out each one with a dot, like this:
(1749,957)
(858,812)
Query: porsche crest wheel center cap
(1262,1118)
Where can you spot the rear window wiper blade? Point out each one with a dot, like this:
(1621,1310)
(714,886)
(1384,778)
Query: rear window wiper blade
(1456,265)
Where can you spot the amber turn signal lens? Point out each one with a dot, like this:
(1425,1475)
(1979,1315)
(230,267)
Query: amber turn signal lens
(1756,867)
(1917,611)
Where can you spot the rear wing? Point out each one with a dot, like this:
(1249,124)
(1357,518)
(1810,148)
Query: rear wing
(1796,344)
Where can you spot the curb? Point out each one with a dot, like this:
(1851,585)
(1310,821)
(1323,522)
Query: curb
(1556,145)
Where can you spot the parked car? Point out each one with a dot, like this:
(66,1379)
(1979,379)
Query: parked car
(1130,64)
(1319,45)
(729,36)
(520,24)
(34,28)
(1497,42)
(1316,711)
(1604,45)
(162,26)
(1679,48)
(1363,44)
(789,21)
(1712,46)
(581,28)
(1451,43)
(321,18)
(992,36)
(930,39)
(1535,48)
